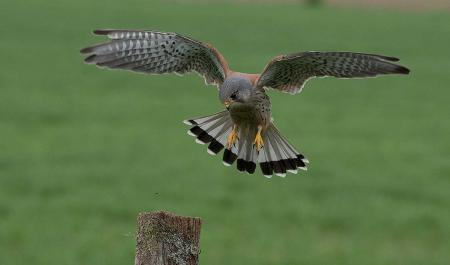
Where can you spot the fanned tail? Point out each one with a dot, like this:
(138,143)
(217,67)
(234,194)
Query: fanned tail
(277,156)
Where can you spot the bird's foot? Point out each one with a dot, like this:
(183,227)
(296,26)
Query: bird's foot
(232,137)
(259,143)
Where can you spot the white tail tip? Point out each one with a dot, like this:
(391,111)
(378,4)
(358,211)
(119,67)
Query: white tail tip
(187,122)
(210,152)
(268,176)
(198,141)
(303,168)
(191,134)
(226,164)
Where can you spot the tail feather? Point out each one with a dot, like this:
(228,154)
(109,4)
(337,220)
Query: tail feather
(274,153)
(293,155)
(277,156)
(286,158)
(247,155)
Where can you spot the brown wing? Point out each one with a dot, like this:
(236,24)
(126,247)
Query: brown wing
(288,73)
(157,53)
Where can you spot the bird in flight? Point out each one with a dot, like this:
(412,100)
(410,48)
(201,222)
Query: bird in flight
(245,129)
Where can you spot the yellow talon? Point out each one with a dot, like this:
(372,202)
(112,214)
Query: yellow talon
(232,137)
(259,143)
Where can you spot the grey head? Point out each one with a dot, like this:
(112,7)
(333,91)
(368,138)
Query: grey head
(235,89)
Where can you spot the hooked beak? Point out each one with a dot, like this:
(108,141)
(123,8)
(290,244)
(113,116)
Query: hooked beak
(228,102)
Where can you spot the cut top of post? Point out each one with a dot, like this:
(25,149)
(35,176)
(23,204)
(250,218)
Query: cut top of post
(167,239)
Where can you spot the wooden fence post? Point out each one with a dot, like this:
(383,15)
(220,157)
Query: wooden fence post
(167,239)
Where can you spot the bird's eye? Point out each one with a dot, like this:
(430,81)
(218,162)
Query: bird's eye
(233,96)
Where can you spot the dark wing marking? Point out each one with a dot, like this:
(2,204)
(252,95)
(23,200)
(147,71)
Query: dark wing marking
(289,73)
(157,53)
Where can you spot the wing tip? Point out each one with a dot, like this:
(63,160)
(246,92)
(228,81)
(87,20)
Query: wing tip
(86,50)
(388,58)
(398,69)
(90,59)
(402,70)
(90,49)
(102,31)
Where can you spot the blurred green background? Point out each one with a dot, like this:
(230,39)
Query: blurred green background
(83,150)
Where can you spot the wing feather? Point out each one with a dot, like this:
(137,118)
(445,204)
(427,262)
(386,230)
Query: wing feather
(155,52)
(289,73)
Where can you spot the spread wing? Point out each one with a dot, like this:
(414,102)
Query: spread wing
(157,53)
(289,73)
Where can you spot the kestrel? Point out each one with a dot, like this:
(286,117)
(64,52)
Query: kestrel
(245,129)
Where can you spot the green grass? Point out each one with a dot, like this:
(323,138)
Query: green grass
(83,150)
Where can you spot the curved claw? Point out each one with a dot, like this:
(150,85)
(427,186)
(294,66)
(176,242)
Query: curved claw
(259,143)
(232,137)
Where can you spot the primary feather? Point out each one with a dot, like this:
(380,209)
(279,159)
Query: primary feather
(157,53)
(289,73)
